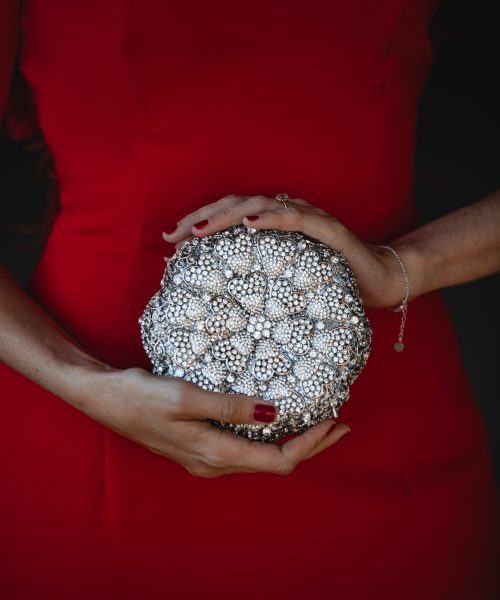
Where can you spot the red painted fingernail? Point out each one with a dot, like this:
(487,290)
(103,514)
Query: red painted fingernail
(201,224)
(264,413)
(252,217)
(171,229)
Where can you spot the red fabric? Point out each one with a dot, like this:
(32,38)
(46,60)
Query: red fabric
(151,109)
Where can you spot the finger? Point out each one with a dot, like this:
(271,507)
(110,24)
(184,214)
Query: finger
(300,201)
(233,214)
(236,452)
(178,247)
(194,402)
(313,440)
(183,228)
(227,451)
(181,244)
(222,214)
(323,228)
(332,436)
(208,472)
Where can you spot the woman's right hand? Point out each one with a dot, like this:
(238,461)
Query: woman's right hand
(169,417)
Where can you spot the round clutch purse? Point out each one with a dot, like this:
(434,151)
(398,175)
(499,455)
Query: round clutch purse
(267,313)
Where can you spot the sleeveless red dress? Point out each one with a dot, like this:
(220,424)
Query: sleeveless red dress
(151,109)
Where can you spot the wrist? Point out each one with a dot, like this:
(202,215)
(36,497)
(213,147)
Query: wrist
(83,380)
(412,259)
(406,257)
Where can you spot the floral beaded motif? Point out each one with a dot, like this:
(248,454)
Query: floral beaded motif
(264,313)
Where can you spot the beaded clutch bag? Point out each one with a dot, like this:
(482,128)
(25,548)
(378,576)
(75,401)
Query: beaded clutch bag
(266,313)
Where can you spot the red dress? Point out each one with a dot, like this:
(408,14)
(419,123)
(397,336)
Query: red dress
(151,109)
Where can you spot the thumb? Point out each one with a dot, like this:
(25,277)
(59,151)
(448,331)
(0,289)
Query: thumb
(334,433)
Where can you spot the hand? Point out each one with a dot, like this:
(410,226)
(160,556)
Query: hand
(377,272)
(168,416)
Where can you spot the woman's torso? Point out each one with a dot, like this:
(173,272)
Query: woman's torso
(152,109)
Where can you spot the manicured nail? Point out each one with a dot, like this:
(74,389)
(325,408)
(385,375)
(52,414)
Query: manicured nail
(264,413)
(252,217)
(201,224)
(169,230)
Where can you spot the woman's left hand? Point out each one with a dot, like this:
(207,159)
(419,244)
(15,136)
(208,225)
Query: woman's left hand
(377,271)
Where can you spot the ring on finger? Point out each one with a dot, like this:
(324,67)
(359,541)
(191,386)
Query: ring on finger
(282,198)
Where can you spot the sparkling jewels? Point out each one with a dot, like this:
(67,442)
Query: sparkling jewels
(271,314)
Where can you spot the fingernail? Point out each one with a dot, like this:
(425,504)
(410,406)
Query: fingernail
(201,224)
(252,217)
(169,230)
(264,413)
(346,433)
(332,427)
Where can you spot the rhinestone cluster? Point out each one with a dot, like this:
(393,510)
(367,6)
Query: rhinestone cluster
(266,313)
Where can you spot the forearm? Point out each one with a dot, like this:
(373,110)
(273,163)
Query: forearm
(461,246)
(34,345)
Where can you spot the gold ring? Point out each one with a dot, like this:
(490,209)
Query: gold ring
(282,198)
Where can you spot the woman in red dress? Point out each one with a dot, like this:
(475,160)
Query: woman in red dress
(113,483)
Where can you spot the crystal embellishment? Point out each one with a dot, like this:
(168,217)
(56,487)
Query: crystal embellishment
(270,314)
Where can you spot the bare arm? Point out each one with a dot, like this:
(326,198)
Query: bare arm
(30,341)
(461,246)
(35,346)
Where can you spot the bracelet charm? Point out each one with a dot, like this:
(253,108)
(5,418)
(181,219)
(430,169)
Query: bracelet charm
(403,306)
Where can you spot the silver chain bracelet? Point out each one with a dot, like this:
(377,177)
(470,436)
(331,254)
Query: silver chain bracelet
(403,306)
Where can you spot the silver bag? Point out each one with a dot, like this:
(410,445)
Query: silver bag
(271,314)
